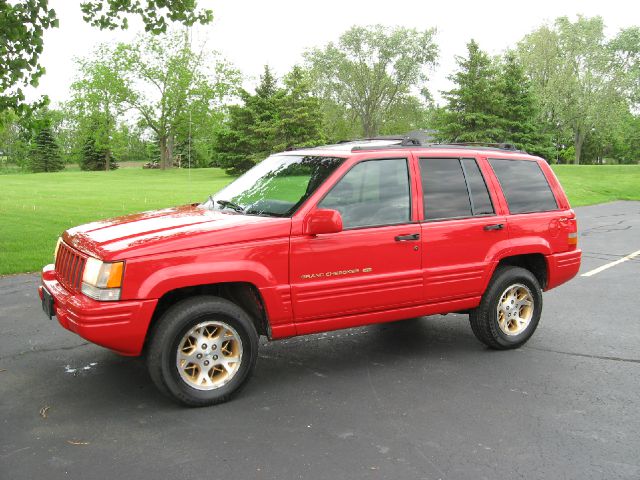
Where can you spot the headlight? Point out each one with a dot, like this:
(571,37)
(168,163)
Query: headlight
(102,280)
(55,252)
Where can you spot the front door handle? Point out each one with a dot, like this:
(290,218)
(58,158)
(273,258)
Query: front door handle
(408,238)
(497,226)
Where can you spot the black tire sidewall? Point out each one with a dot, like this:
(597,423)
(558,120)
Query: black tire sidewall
(177,322)
(505,279)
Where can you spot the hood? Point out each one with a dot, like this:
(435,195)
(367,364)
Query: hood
(171,229)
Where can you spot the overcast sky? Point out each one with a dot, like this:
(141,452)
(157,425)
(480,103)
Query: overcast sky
(252,33)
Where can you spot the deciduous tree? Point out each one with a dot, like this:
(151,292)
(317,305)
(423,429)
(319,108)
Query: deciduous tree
(164,76)
(572,69)
(23,23)
(371,70)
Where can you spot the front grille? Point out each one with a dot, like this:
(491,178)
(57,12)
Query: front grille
(69,266)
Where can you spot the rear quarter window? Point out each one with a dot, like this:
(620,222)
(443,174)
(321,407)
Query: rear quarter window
(524,186)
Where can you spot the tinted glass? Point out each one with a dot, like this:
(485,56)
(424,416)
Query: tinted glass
(374,192)
(444,189)
(480,200)
(524,185)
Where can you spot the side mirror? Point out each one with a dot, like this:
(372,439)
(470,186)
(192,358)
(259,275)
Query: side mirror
(323,221)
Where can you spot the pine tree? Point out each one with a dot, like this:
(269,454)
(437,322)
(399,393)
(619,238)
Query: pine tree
(300,113)
(45,153)
(94,158)
(271,120)
(518,110)
(472,113)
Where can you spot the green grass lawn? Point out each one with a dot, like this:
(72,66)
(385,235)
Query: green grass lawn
(589,184)
(36,208)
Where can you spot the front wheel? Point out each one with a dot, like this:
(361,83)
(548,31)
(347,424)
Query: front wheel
(510,309)
(202,351)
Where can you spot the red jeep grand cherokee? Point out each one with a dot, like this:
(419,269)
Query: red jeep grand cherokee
(315,240)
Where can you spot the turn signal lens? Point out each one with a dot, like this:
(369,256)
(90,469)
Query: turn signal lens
(572,238)
(115,275)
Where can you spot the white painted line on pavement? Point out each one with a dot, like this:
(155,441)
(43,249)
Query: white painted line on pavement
(612,264)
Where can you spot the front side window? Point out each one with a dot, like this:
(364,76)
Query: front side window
(276,186)
(524,186)
(372,193)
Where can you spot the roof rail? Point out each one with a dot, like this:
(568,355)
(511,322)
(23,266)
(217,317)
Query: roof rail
(410,142)
(501,146)
(403,141)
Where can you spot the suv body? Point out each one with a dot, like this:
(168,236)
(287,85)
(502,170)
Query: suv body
(387,232)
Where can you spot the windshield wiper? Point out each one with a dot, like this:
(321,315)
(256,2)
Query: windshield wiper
(231,205)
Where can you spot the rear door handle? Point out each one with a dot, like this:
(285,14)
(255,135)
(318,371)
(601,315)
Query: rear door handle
(408,238)
(497,226)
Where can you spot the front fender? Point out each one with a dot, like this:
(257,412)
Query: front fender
(179,276)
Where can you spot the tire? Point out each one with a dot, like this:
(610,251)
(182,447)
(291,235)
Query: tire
(202,351)
(510,323)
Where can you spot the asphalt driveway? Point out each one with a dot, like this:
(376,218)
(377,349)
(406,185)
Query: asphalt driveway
(409,400)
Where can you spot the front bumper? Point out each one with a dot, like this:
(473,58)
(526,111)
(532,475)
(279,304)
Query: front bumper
(120,326)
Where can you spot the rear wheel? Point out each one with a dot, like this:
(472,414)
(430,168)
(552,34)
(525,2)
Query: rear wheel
(202,351)
(510,309)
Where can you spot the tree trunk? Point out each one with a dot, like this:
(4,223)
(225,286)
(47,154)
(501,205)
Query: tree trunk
(578,142)
(170,144)
(107,160)
(163,152)
(368,127)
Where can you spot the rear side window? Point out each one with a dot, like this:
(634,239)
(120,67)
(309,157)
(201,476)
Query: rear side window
(453,188)
(480,200)
(524,186)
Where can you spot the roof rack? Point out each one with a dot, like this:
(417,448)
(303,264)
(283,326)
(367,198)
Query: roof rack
(501,146)
(403,141)
(412,142)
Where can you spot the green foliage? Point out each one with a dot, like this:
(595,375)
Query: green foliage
(155,14)
(45,152)
(165,79)
(518,110)
(96,158)
(372,70)
(473,106)
(577,75)
(99,96)
(625,48)
(492,102)
(273,119)
(15,136)
(173,89)
(22,24)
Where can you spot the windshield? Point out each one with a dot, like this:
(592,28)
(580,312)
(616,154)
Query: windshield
(276,186)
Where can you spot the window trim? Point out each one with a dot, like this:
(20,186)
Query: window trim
(466,182)
(553,195)
(411,212)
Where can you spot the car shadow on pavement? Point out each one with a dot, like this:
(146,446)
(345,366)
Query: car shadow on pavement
(106,381)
